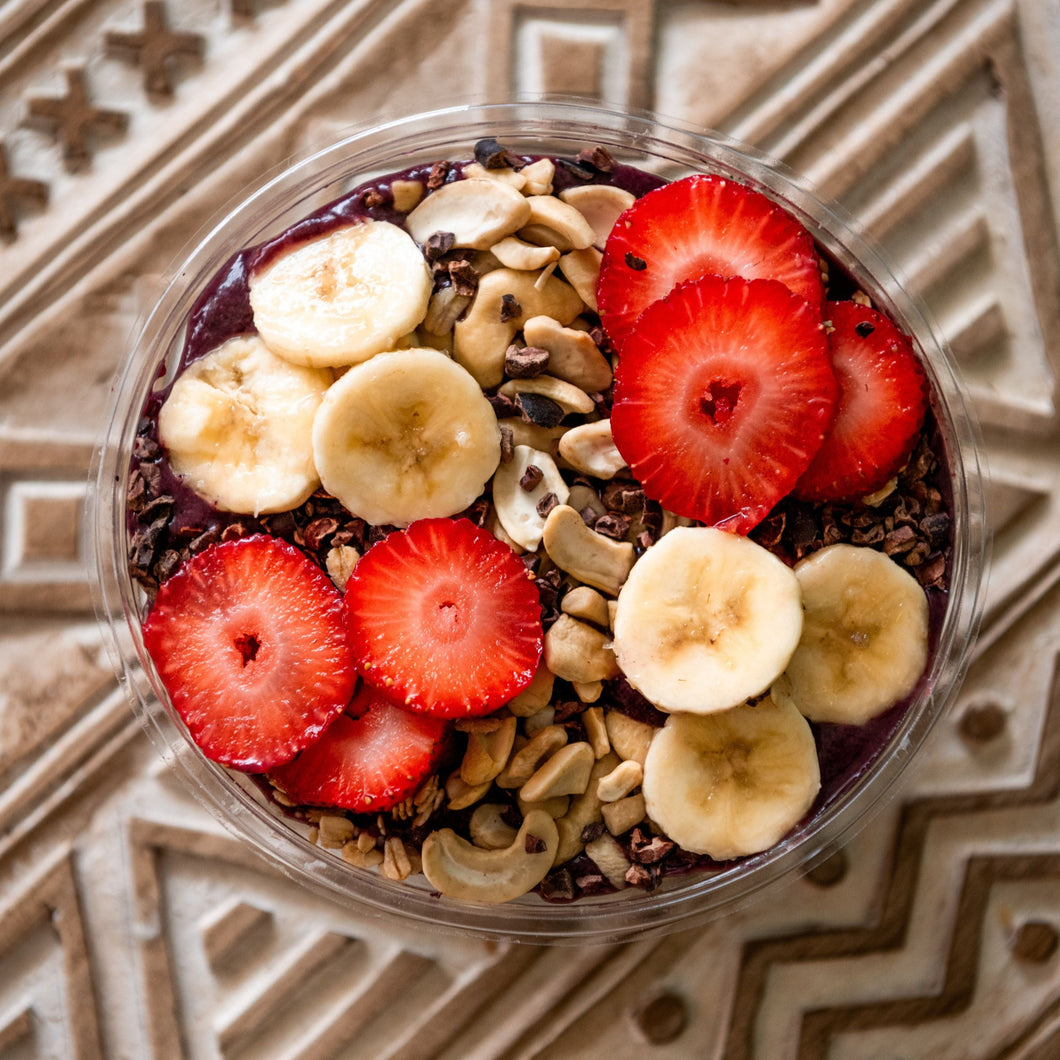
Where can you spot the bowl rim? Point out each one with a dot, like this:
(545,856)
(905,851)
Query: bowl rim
(369,150)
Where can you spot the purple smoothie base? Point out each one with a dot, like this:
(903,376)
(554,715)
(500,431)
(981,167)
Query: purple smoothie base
(846,752)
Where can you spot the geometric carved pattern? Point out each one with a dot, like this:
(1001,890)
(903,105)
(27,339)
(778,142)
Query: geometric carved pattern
(47,1000)
(130,926)
(43,544)
(153,47)
(74,122)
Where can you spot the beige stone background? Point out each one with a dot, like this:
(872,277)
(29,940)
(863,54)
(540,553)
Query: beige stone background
(131,924)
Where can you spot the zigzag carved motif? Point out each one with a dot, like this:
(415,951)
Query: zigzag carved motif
(889,933)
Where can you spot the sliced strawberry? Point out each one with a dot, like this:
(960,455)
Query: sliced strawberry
(882,401)
(693,227)
(249,639)
(722,395)
(445,618)
(365,763)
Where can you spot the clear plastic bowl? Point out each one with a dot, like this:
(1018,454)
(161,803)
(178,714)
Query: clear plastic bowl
(542,127)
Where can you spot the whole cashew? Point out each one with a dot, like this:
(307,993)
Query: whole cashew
(460,870)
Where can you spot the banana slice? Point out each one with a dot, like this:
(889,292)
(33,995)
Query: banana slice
(732,783)
(406,435)
(706,620)
(864,641)
(238,426)
(343,297)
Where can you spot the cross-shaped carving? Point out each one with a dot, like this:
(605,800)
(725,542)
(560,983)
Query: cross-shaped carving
(73,120)
(154,45)
(15,190)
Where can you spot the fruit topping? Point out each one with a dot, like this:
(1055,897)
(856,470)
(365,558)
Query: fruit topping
(444,618)
(882,401)
(237,426)
(864,640)
(723,394)
(249,639)
(369,759)
(705,620)
(407,435)
(698,226)
(343,297)
(733,783)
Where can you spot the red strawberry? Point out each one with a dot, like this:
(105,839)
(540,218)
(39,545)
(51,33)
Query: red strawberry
(693,227)
(365,763)
(722,395)
(445,618)
(249,639)
(882,400)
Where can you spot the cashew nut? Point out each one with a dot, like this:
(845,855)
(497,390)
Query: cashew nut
(538,177)
(596,730)
(517,506)
(629,738)
(503,175)
(600,205)
(588,691)
(536,696)
(565,773)
(622,815)
(620,781)
(588,556)
(572,354)
(340,561)
(524,763)
(590,448)
(487,827)
(555,223)
(584,809)
(334,830)
(396,864)
(443,310)
(585,603)
(583,496)
(582,269)
(569,397)
(609,858)
(515,253)
(458,869)
(544,438)
(487,753)
(555,807)
(481,338)
(541,719)
(576,651)
(460,794)
(478,212)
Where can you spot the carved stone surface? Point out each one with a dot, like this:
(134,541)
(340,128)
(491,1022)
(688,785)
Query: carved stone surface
(131,924)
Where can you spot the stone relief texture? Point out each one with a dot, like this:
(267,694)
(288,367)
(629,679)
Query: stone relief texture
(132,924)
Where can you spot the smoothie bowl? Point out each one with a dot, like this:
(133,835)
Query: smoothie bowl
(539,521)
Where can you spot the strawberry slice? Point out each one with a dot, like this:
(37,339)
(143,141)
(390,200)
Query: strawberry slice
(882,401)
(722,395)
(365,763)
(445,618)
(249,639)
(693,227)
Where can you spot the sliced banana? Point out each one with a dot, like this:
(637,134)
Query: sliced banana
(864,640)
(406,435)
(343,297)
(732,783)
(706,620)
(238,425)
